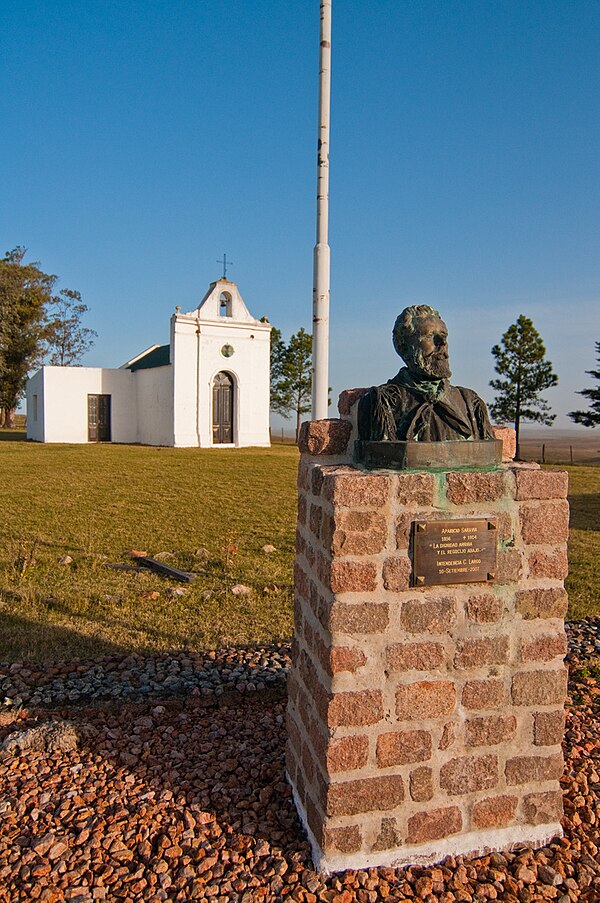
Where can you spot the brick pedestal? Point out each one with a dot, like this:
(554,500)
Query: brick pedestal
(425,722)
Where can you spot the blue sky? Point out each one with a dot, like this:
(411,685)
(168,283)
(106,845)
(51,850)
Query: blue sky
(141,140)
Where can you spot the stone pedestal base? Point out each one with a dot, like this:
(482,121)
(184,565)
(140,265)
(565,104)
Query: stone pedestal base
(425,721)
(476,843)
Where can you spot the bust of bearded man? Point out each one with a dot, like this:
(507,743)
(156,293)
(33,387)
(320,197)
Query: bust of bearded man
(419,404)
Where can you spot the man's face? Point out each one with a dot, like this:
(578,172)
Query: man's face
(428,356)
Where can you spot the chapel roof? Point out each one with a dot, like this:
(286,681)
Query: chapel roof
(158,356)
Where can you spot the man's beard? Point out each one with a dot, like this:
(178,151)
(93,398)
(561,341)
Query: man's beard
(435,366)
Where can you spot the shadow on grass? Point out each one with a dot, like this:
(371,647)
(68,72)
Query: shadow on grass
(13,435)
(48,642)
(585,512)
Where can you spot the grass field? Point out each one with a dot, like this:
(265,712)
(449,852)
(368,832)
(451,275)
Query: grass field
(95,502)
(583,582)
(207,511)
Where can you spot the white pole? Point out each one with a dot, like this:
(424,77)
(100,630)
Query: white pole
(320,348)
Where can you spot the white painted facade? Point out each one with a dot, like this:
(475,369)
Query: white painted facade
(166,395)
(59,398)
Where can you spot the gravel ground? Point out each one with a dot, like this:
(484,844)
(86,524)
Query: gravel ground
(177,791)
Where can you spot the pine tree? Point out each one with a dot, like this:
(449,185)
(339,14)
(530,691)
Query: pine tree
(591,417)
(291,375)
(520,359)
(279,400)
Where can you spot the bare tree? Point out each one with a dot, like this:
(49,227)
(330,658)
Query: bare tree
(66,339)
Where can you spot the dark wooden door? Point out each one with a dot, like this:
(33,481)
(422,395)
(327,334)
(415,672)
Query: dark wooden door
(99,418)
(222,409)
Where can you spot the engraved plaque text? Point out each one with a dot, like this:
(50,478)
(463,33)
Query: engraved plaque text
(455,551)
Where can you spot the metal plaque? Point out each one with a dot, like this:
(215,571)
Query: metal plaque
(455,551)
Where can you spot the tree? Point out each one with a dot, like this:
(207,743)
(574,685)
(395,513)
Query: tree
(279,399)
(66,340)
(590,417)
(25,290)
(291,375)
(520,359)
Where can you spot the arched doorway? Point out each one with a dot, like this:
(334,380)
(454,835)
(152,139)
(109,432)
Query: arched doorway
(222,409)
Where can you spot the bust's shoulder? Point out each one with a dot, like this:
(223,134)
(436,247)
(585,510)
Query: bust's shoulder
(372,395)
(479,411)
(390,390)
(471,394)
(378,409)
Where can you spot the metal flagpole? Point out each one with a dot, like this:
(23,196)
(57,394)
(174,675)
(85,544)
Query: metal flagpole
(320,346)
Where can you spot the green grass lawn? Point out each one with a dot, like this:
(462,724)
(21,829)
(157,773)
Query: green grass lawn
(583,582)
(95,502)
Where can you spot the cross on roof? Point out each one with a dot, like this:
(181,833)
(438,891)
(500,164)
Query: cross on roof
(224,262)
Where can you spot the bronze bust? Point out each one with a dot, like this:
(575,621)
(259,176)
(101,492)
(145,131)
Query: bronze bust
(419,404)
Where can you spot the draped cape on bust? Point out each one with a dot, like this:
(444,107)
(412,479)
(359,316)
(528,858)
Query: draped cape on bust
(426,411)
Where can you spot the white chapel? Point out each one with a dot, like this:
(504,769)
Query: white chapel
(208,387)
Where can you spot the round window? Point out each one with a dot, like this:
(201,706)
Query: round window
(227,350)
